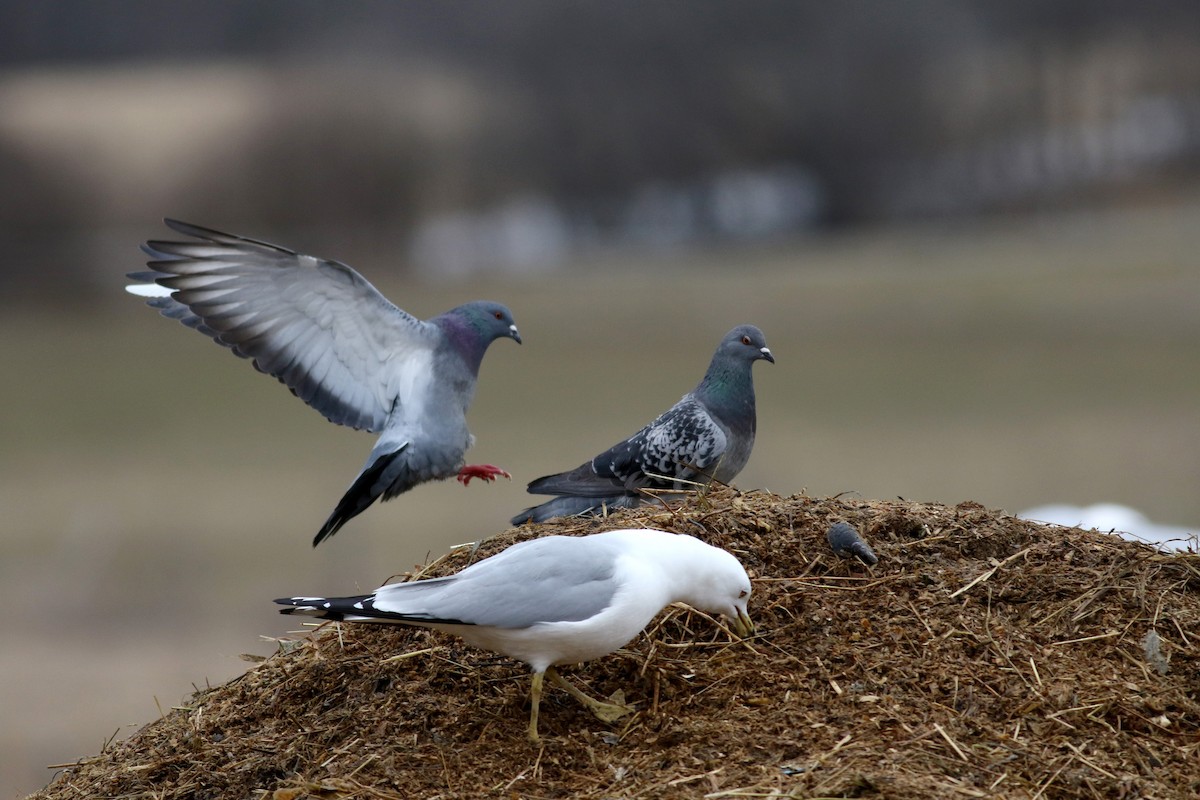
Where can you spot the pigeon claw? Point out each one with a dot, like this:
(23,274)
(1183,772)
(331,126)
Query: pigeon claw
(485,472)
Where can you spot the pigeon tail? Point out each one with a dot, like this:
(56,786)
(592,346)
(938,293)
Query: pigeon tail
(582,482)
(570,506)
(365,490)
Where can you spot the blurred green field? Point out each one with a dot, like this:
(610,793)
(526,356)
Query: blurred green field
(158,493)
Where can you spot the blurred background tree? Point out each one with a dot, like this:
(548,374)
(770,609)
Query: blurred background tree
(518,135)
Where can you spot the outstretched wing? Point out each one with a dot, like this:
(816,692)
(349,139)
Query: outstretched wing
(318,326)
(684,443)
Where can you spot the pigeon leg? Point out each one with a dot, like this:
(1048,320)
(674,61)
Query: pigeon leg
(485,472)
(535,699)
(605,712)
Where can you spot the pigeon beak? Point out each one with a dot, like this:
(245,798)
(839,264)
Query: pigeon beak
(514,333)
(766,353)
(742,625)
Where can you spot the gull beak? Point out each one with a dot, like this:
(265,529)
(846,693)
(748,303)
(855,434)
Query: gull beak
(514,333)
(742,625)
(766,353)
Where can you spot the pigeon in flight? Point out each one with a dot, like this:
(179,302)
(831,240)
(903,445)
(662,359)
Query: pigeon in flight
(558,600)
(707,435)
(340,346)
(846,543)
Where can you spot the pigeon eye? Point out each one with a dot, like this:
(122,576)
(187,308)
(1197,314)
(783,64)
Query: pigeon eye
(742,593)
(745,340)
(498,315)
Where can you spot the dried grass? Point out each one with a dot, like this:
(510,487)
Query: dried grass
(984,656)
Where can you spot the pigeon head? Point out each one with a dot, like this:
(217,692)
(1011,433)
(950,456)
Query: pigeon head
(490,321)
(728,384)
(744,343)
(471,327)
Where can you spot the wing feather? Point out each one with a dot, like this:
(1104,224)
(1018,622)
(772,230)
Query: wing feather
(316,325)
(683,443)
(552,579)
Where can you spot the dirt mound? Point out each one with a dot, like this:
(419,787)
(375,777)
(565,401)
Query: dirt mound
(983,656)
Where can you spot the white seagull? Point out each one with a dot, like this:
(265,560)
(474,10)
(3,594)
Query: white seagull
(559,600)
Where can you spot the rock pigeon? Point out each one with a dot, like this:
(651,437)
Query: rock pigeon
(707,435)
(340,346)
(559,600)
(846,543)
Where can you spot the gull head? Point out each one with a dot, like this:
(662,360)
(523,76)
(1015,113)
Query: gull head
(715,582)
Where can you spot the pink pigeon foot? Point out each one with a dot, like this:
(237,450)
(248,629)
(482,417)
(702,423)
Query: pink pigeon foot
(485,472)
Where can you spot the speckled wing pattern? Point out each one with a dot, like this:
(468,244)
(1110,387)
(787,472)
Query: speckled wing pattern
(317,325)
(685,442)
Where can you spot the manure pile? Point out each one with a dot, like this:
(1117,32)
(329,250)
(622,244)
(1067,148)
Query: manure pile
(984,656)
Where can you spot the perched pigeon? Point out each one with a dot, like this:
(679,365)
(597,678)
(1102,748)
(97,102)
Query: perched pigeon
(340,346)
(706,435)
(559,600)
(846,543)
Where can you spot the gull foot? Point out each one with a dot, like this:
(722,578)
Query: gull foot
(609,712)
(605,712)
(485,472)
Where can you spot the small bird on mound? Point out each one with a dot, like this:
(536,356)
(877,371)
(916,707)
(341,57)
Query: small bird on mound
(706,436)
(340,346)
(845,542)
(559,600)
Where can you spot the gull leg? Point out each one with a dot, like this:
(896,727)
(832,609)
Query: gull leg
(605,712)
(485,472)
(535,699)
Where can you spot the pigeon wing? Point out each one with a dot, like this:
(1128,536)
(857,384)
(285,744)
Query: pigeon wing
(317,325)
(685,442)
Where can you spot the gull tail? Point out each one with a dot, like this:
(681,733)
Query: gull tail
(360,608)
(337,609)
